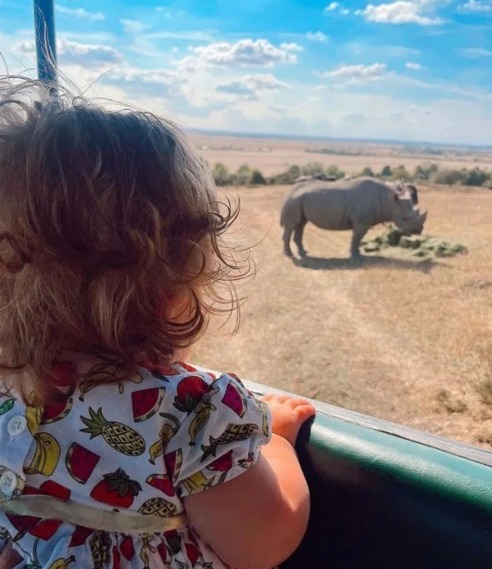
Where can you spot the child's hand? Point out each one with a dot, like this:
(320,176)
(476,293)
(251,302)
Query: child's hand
(288,414)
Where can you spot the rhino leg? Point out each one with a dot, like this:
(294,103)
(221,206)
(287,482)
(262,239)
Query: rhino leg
(358,232)
(298,237)
(287,234)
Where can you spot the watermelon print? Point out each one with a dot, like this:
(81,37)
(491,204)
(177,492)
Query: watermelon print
(56,411)
(234,399)
(140,445)
(162,483)
(146,402)
(80,462)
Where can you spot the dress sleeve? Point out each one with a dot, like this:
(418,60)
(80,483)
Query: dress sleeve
(219,439)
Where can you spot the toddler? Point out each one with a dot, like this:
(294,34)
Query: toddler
(115,452)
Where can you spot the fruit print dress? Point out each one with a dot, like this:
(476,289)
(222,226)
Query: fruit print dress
(124,443)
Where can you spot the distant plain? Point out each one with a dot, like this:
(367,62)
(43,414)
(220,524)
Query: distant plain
(399,338)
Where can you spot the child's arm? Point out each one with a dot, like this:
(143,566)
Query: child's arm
(9,558)
(258,519)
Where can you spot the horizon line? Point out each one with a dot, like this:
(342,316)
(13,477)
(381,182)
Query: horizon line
(377,141)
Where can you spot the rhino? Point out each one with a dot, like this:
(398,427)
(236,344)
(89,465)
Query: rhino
(355,204)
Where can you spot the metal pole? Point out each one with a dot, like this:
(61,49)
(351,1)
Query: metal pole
(44,23)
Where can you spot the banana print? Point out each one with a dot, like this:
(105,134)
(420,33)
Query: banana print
(33,417)
(46,455)
(165,435)
(198,432)
(62,563)
(202,415)
(196,483)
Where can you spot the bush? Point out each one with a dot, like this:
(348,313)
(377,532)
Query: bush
(257,178)
(386,172)
(367,172)
(475,177)
(449,177)
(221,174)
(312,169)
(334,171)
(287,177)
(400,172)
(425,172)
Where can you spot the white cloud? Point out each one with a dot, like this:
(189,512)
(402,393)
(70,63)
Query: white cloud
(251,84)
(358,72)
(150,76)
(413,66)
(477,6)
(402,12)
(243,53)
(80,13)
(336,6)
(317,36)
(475,52)
(133,26)
(291,47)
(75,53)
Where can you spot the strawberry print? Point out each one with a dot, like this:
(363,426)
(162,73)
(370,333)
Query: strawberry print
(189,392)
(116,489)
(140,446)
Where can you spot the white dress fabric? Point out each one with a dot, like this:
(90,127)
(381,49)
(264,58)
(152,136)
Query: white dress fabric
(124,442)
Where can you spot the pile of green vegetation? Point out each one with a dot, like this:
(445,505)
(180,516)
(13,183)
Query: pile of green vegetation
(426,173)
(421,245)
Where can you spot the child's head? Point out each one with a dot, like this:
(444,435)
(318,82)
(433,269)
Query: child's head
(110,233)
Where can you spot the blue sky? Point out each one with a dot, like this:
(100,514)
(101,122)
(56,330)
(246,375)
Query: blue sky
(406,70)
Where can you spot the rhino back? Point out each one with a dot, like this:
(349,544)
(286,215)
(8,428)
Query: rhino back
(338,205)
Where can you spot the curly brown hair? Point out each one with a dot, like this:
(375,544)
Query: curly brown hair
(109,221)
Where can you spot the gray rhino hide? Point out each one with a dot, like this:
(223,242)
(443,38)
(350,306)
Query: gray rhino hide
(355,204)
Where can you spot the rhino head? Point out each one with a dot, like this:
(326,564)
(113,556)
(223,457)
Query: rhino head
(406,216)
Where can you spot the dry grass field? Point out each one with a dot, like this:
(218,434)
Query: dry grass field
(273,156)
(405,340)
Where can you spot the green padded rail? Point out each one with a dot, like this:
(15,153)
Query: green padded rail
(387,496)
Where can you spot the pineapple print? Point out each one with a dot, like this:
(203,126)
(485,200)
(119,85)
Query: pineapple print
(118,436)
(157,507)
(100,545)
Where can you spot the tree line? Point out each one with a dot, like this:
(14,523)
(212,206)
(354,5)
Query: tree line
(430,173)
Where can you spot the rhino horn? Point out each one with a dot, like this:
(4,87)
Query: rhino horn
(423,217)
